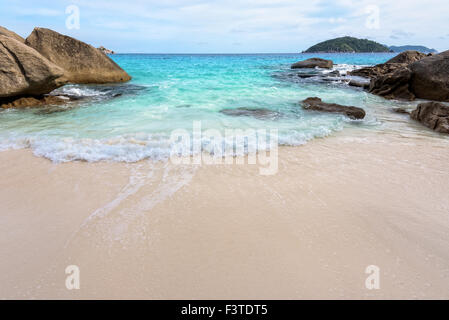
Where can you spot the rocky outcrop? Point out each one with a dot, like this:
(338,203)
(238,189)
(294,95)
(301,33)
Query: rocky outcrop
(430,77)
(314,63)
(433,115)
(401,60)
(394,85)
(410,75)
(28,102)
(81,62)
(408,57)
(23,71)
(106,51)
(318,105)
(9,33)
(376,71)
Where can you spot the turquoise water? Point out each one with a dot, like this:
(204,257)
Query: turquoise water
(133,121)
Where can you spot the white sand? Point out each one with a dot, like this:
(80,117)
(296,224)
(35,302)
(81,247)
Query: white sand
(159,231)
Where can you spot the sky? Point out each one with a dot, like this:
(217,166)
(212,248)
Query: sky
(231,26)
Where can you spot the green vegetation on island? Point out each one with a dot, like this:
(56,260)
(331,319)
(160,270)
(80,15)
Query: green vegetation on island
(348,44)
(413,48)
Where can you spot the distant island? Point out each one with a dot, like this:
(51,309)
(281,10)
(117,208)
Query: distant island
(422,49)
(348,44)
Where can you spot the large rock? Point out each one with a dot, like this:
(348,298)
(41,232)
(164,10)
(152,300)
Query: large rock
(23,71)
(433,115)
(9,33)
(408,57)
(393,85)
(313,63)
(82,62)
(318,105)
(401,60)
(431,77)
(410,75)
(376,71)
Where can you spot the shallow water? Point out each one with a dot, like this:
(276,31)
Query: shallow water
(133,121)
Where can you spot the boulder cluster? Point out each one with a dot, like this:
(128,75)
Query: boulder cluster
(413,75)
(409,76)
(33,67)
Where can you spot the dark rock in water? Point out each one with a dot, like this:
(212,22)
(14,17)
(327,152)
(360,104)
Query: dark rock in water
(81,62)
(24,71)
(251,112)
(27,102)
(393,85)
(307,75)
(430,78)
(334,73)
(433,115)
(401,110)
(313,63)
(318,105)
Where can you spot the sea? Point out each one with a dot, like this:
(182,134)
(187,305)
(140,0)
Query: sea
(134,121)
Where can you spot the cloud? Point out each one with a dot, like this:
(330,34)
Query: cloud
(257,25)
(399,34)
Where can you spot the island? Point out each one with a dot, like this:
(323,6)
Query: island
(422,49)
(347,44)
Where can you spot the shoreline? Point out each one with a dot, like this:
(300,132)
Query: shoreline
(158,231)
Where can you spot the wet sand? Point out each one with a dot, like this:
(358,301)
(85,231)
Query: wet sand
(160,231)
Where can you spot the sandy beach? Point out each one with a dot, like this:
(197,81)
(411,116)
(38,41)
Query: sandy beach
(160,231)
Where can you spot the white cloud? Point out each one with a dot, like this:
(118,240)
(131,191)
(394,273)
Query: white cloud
(257,25)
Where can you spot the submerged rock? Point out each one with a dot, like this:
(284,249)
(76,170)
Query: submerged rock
(317,104)
(400,110)
(251,112)
(313,63)
(433,115)
(27,102)
(24,71)
(81,62)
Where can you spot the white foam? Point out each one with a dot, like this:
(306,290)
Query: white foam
(136,147)
(78,91)
(344,69)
